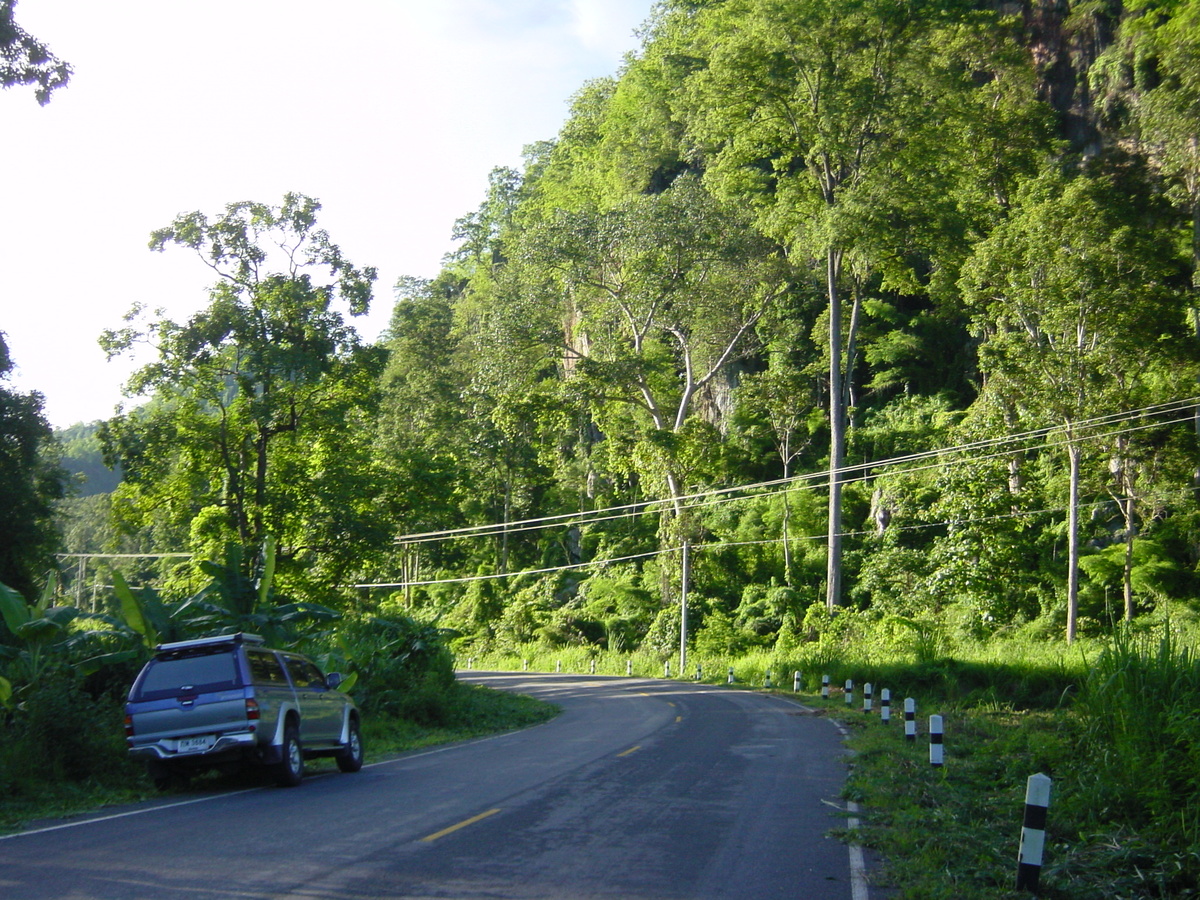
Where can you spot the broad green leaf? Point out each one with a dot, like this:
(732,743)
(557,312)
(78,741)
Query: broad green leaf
(132,611)
(13,608)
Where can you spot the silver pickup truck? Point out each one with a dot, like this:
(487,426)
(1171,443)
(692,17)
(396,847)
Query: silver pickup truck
(228,700)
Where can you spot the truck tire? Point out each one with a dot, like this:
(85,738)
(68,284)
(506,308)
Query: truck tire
(351,759)
(290,770)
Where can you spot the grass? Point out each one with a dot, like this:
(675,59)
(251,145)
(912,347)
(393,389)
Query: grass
(469,711)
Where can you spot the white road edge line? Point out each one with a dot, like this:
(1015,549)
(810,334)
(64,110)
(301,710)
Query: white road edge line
(78,823)
(858,863)
(123,815)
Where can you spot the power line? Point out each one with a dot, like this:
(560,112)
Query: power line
(801,482)
(1016,443)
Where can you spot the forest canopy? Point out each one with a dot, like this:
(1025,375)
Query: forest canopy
(883,306)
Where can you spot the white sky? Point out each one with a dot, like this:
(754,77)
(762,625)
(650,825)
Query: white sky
(390,112)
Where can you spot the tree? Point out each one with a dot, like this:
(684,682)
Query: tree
(262,397)
(1080,296)
(30,484)
(24,60)
(841,123)
(1149,85)
(655,298)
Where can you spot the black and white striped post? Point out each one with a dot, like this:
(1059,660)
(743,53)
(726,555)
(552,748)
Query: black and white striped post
(868,698)
(767,683)
(731,674)
(910,719)
(667,669)
(629,667)
(699,672)
(824,687)
(524,665)
(593,667)
(1033,832)
(849,691)
(936,748)
(885,706)
(796,683)
(558,666)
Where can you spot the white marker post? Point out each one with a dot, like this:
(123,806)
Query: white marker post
(910,719)
(1033,832)
(731,674)
(885,706)
(524,665)
(849,691)
(868,698)
(936,749)
(824,687)
(667,669)
(796,683)
(767,683)
(629,667)
(593,667)
(558,666)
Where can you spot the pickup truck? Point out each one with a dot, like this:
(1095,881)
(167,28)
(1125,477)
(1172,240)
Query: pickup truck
(228,700)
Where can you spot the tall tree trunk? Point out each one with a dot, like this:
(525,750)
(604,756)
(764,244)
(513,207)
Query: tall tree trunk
(1130,533)
(837,434)
(1074,453)
(787,521)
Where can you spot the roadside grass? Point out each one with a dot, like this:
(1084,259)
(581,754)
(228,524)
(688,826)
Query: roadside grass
(467,711)
(1122,747)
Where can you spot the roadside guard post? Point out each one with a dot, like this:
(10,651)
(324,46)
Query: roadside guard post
(825,687)
(910,719)
(1033,832)
(885,706)
(936,749)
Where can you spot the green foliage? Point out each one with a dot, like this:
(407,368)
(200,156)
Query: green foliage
(1142,735)
(259,398)
(31,481)
(26,61)
(403,668)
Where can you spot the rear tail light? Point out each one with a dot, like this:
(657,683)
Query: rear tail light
(252,712)
(128,726)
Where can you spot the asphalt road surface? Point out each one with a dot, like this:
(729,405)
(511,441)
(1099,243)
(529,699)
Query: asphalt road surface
(639,789)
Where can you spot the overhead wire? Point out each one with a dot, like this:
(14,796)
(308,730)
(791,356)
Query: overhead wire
(845,474)
(1004,445)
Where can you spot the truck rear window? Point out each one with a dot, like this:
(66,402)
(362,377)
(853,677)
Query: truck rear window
(188,674)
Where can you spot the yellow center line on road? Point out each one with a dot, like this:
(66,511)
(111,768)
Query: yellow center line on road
(630,750)
(454,828)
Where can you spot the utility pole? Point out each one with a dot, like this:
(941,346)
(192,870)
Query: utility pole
(685,574)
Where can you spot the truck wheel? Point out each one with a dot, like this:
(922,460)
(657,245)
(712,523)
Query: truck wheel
(290,770)
(351,759)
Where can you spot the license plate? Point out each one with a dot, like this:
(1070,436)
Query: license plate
(195,744)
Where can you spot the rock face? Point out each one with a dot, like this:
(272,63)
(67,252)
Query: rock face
(1064,42)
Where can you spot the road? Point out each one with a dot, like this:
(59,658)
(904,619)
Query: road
(639,789)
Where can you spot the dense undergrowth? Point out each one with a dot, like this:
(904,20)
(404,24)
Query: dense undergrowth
(1124,757)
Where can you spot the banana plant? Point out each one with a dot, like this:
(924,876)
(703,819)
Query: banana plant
(36,629)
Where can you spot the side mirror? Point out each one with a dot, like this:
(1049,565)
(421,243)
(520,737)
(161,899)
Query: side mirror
(333,679)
